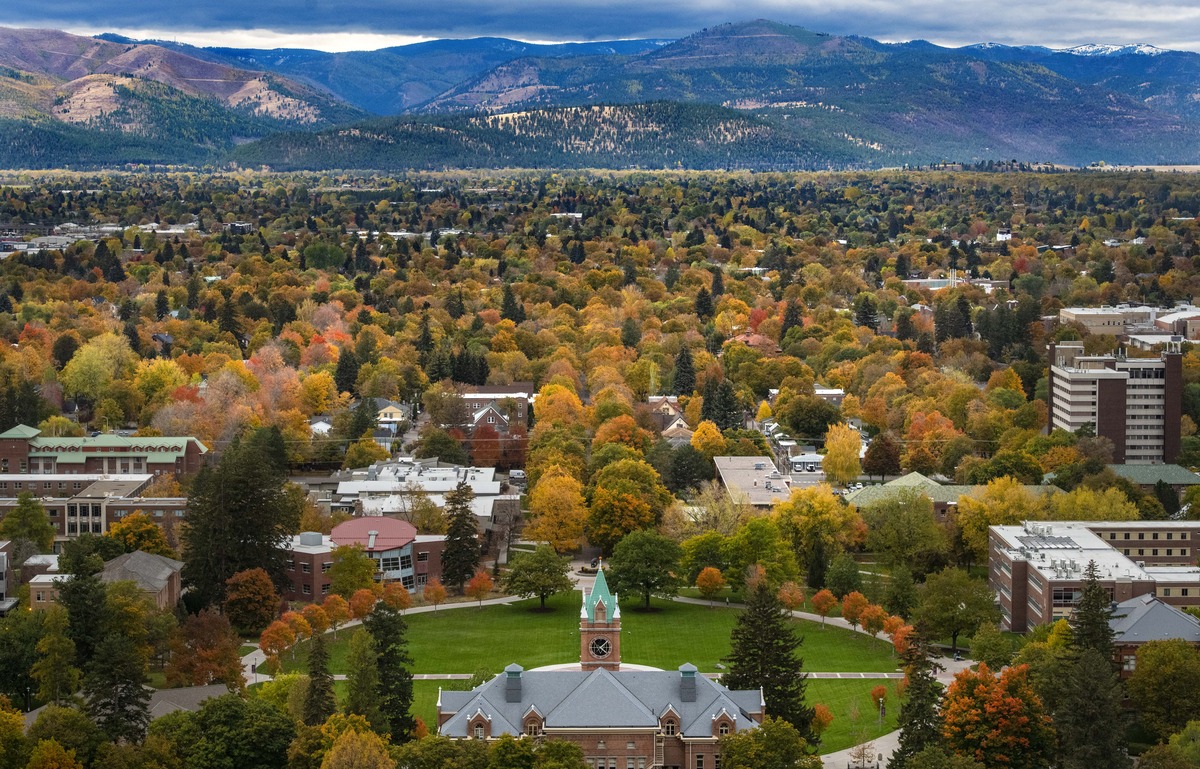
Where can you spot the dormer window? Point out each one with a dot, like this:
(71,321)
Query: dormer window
(669,727)
(532,727)
(723,728)
(479,731)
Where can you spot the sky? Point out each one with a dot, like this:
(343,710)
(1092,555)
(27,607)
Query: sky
(340,25)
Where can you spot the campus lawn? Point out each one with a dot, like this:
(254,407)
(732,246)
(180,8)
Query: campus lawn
(855,718)
(465,640)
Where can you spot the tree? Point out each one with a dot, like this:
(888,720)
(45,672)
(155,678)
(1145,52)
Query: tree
(902,530)
(843,577)
(239,517)
(49,754)
(358,750)
(1090,628)
(627,495)
(991,646)
(83,596)
(818,523)
(823,602)
(775,744)
(55,671)
(791,595)
(434,592)
(721,404)
(361,603)
(873,619)
(28,527)
(275,639)
(1003,501)
(685,372)
(920,720)
(645,563)
(250,600)
(935,757)
(365,452)
(708,440)
(461,553)
(1165,678)
(709,582)
(352,570)
(479,586)
(388,630)
(952,603)
(115,690)
(1089,721)
(362,681)
(703,304)
(901,596)
(71,728)
(763,653)
(319,700)
(997,721)
(557,509)
(853,606)
(541,573)
(138,531)
(882,457)
(842,447)
(204,650)
(337,611)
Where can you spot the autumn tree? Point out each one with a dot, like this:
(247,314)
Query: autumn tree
(842,446)
(337,611)
(557,510)
(250,600)
(276,639)
(709,582)
(708,440)
(205,650)
(823,602)
(352,570)
(882,457)
(541,573)
(355,749)
(479,586)
(791,595)
(626,496)
(138,531)
(434,592)
(1002,502)
(997,720)
(49,754)
(853,606)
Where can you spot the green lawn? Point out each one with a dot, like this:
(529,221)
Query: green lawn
(466,640)
(842,697)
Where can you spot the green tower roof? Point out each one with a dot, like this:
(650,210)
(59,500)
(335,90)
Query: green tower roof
(600,594)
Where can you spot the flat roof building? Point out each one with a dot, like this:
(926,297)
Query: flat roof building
(754,480)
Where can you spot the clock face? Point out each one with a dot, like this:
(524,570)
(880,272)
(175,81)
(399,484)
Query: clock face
(601,647)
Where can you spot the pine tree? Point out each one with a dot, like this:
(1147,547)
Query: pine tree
(510,308)
(865,312)
(345,374)
(319,700)
(919,721)
(720,405)
(117,697)
(55,671)
(1089,719)
(704,304)
(718,282)
(763,654)
(791,319)
(1090,622)
(388,629)
(461,553)
(685,372)
(83,597)
(362,681)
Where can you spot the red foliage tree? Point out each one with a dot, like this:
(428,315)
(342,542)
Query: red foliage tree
(853,606)
(204,650)
(997,721)
(823,603)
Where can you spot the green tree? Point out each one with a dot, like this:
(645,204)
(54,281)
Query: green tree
(319,700)
(685,372)
(763,654)
(48,754)
(115,690)
(775,744)
(991,646)
(461,554)
(1163,686)
(352,570)
(1090,628)
(903,531)
(83,596)
(55,671)
(646,563)
(28,527)
(239,517)
(936,757)
(542,573)
(71,728)
(843,576)
(362,681)
(952,603)
(920,721)
(388,630)
(1089,721)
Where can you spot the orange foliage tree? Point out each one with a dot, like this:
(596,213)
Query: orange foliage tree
(337,611)
(479,586)
(791,595)
(822,718)
(710,581)
(823,603)
(361,603)
(316,617)
(872,619)
(396,596)
(274,641)
(853,606)
(434,592)
(997,721)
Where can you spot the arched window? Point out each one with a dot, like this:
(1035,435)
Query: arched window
(531,727)
(479,731)
(669,727)
(723,728)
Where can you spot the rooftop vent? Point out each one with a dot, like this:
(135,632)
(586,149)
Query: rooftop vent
(310,538)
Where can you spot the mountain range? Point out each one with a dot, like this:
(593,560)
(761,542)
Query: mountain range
(757,94)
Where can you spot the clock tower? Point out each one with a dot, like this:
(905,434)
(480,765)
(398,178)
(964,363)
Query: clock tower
(600,627)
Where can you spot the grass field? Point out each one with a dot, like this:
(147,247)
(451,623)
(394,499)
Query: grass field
(470,639)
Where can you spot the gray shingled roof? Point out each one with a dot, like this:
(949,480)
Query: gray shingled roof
(1145,618)
(150,572)
(598,699)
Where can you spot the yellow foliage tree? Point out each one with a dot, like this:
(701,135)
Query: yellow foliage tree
(764,411)
(708,440)
(1003,502)
(816,512)
(842,447)
(1084,504)
(557,510)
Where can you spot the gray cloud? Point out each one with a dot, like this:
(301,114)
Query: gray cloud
(949,22)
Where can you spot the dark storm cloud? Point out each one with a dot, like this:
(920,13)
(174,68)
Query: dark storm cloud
(951,22)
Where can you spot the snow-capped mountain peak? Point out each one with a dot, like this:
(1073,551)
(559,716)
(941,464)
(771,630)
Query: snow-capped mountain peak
(1100,49)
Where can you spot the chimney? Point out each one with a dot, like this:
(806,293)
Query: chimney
(687,682)
(512,683)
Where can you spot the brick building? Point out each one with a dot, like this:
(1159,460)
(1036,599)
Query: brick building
(156,577)
(24,449)
(621,717)
(1037,568)
(400,554)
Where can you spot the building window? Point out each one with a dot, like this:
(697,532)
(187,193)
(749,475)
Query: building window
(531,727)
(1154,551)
(1141,535)
(306,568)
(669,727)
(1129,663)
(422,579)
(1154,535)
(408,582)
(723,729)
(422,557)
(291,566)
(325,567)
(479,731)
(1126,535)
(389,564)
(1166,592)
(40,596)
(306,589)
(700,761)
(406,562)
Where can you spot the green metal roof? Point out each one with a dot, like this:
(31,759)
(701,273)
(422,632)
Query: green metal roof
(1148,475)
(600,594)
(21,431)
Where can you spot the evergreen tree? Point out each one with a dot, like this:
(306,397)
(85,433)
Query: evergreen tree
(115,689)
(1089,719)
(718,281)
(510,308)
(362,681)
(865,314)
(424,343)
(720,405)
(319,700)
(1090,622)
(685,372)
(388,629)
(704,304)
(816,564)
(454,305)
(227,319)
(920,721)
(461,553)
(791,318)
(345,374)
(239,516)
(363,419)
(83,597)
(763,653)
(55,671)
(631,333)
(162,306)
